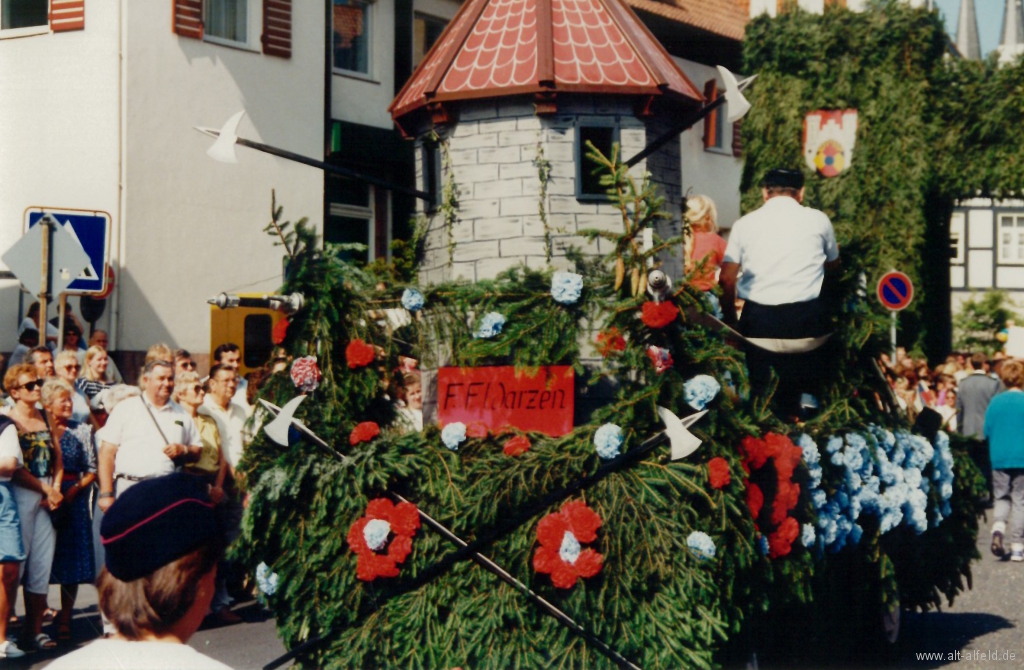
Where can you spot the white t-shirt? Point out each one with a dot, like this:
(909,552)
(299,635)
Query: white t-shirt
(782,249)
(10,447)
(140,447)
(136,655)
(230,425)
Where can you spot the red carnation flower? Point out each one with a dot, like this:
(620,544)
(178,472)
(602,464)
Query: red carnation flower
(364,432)
(305,374)
(781,541)
(560,535)
(517,446)
(359,354)
(718,472)
(755,500)
(403,520)
(659,314)
(280,331)
(476,429)
(610,341)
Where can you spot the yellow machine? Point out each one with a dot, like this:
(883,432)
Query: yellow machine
(248,320)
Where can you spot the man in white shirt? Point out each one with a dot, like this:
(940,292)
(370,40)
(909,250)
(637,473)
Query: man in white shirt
(783,250)
(145,436)
(230,356)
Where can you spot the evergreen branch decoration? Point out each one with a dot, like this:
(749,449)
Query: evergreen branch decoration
(543,166)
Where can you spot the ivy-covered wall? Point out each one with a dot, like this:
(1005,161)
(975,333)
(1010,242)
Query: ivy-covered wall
(917,146)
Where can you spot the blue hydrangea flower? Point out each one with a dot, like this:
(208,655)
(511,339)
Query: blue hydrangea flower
(453,435)
(700,390)
(807,535)
(701,544)
(810,449)
(835,443)
(814,470)
(762,544)
(412,300)
(376,534)
(819,498)
(570,549)
(608,439)
(566,287)
(490,325)
(266,580)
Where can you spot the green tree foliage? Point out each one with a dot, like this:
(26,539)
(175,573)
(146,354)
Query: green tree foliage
(979,321)
(654,601)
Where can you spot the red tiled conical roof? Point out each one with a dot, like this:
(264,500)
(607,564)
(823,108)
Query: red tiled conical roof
(495,48)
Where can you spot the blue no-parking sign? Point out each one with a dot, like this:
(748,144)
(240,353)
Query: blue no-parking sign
(895,290)
(92,229)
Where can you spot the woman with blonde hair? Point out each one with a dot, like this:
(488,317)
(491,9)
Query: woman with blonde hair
(704,247)
(94,379)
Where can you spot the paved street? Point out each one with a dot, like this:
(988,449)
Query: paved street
(247,645)
(982,620)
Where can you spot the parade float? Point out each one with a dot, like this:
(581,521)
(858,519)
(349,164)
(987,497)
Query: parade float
(595,485)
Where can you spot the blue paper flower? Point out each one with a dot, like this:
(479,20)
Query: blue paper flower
(701,544)
(700,390)
(412,300)
(490,325)
(453,435)
(762,544)
(807,535)
(566,287)
(608,439)
(266,580)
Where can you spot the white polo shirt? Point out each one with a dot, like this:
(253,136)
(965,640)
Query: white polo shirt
(230,425)
(140,447)
(782,249)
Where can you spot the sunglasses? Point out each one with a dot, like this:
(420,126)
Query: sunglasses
(72,367)
(188,365)
(197,389)
(31,386)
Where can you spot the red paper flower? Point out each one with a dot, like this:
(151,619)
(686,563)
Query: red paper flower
(279,331)
(659,314)
(781,541)
(517,446)
(363,432)
(560,536)
(359,354)
(305,374)
(661,358)
(403,520)
(476,429)
(718,472)
(610,341)
(755,500)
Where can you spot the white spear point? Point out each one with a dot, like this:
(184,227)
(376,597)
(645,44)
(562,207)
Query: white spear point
(277,430)
(683,441)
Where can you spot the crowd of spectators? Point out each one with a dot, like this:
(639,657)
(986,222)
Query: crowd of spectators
(74,439)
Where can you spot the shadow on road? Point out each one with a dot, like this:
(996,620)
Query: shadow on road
(945,633)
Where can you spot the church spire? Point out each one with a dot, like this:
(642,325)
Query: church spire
(967,42)
(1012,43)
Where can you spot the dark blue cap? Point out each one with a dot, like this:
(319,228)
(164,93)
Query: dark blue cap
(781,177)
(156,522)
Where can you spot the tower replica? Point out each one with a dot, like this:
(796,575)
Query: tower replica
(501,110)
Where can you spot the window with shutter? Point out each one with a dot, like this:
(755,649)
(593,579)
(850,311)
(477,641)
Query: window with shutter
(188,18)
(277,28)
(712,126)
(26,16)
(67,15)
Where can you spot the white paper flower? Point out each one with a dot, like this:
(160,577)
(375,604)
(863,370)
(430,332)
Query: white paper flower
(376,534)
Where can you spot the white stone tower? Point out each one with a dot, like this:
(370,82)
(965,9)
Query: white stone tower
(1012,43)
(967,41)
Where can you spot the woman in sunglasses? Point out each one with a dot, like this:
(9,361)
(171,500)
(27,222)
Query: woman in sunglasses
(67,368)
(37,493)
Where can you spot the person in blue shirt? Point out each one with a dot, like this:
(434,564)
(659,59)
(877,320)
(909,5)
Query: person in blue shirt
(1004,430)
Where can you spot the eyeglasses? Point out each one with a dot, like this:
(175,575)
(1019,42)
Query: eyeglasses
(188,365)
(197,389)
(31,386)
(72,367)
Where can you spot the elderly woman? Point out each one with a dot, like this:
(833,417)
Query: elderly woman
(67,368)
(37,492)
(73,559)
(94,378)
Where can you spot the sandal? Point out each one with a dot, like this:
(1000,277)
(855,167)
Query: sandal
(49,615)
(42,642)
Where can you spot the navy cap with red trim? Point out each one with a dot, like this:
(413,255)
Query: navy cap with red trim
(156,522)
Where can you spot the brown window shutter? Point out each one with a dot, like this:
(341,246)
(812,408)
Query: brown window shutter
(277,28)
(188,18)
(67,15)
(737,138)
(711,120)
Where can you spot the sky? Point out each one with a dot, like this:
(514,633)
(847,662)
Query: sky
(990,20)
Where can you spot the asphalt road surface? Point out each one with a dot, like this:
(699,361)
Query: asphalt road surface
(980,631)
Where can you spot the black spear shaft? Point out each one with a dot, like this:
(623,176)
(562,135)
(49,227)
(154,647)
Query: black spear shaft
(472,549)
(684,125)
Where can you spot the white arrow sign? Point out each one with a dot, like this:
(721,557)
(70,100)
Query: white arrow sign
(25,259)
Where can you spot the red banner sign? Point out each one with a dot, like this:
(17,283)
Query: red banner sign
(497,397)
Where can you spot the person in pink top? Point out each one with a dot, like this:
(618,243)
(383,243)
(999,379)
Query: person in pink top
(704,247)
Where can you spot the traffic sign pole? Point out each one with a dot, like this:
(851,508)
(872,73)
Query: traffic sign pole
(45,281)
(893,336)
(895,291)
(62,310)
